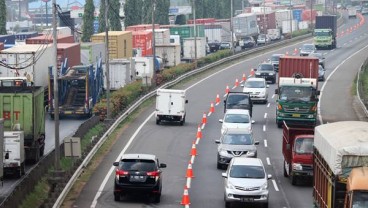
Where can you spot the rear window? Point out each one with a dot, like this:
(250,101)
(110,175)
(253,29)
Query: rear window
(265,67)
(275,58)
(247,171)
(237,99)
(138,165)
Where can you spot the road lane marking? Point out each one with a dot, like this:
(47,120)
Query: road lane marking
(265,116)
(275,185)
(268,105)
(273,96)
(265,143)
(268,161)
(264,127)
(233,87)
(189,181)
(209,114)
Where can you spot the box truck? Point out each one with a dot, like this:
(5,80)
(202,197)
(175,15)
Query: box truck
(14,158)
(170,105)
(325,32)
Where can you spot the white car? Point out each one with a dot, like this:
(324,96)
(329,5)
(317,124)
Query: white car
(246,181)
(263,39)
(236,118)
(257,88)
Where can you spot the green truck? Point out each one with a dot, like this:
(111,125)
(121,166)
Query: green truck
(297,92)
(22,108)
(325,32)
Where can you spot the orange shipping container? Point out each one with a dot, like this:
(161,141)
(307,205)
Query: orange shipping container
(120,43)
(305,67)
(143,41)
(46,39)
(306,15)
(141,27)
(72,51)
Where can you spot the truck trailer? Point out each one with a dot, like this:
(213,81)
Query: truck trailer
(341,165)
(14,158)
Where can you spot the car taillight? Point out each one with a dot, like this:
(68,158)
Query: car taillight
(154,174)
(279,107)
(120,173)
(314,108)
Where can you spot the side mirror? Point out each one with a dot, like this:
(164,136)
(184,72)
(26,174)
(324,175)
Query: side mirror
(255,69)
(256,143)
(221,121)
(163,165)
(267,86)
(224,175)
(114,164)
(186,101)
(276,91)
(217,141)
(269,176)
(253,122)
(6,155)
(288,146)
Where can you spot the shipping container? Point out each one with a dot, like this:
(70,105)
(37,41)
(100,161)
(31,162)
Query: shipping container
(170,54)
(306,15)
(286,26)
(217,32)
(7,39)
(327,22)
(144,69)
(1,150)
(187,31)
(35,58)
(260,9)
(305,67)
(91,52)
(175,39)
(297,14)
(266,21)
(141,27)
(167,26)
(142,41)
(282,15)
(25,35)
(72,51)
(162,36)
(189,49)
(1,46)
(202,21)
(59,31)
(303,25)
(47,39)
(122,72)
(245,25)
(25,106)
(120,43)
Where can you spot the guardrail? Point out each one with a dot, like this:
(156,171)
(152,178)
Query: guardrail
(362,96)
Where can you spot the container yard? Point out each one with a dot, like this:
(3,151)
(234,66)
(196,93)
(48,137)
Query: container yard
(142,40)
(120,43)
(71,51)
(91,52)
(47,39)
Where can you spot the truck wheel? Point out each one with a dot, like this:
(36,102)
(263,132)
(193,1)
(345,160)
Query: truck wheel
(157,121)
(293,180)
(182,122)
(219,166)
(227,204)
(23,169)
(285,173)
(279,124)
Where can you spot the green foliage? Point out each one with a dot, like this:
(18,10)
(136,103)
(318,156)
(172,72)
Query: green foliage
(38,196)
(133,12)
(101,17)
(88,18)
(162,12)
(114,18)
(300,32)
(86,140)
(364,83)
(2,18)
(214,57)
(181,20)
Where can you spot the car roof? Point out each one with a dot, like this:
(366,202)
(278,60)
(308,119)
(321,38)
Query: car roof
(237,111)
(138,156)
(265,63)
(255,79)
(247,161)
(237,131)
(308,44)
(277,54)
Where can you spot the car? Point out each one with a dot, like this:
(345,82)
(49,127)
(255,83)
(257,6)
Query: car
(235,143)
(266,71)
(364,11)
(247,42)
(246,181)
(358,8)
(214,46)
(263,39)
(225,45)
(321,73)
(236,118)
(275,58)
(138,174)
(321,58)
(238,100)
(307,49)
(257,88)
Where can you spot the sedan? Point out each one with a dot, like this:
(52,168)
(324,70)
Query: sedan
(236,118)
(321,73)
(263,39)
(307,49)
(266,71)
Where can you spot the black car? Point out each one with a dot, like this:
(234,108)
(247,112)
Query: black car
(247,42)
(138,174)
(214,46)
(267,72)
(238,100)
(225,45)
(275,58)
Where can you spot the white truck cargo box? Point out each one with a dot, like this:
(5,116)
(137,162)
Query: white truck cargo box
(14,162)
(144,69)
(91,52)
(170,105)
(35,59)
(274,34)
(286,26)
(122,72)
(175,39)
(245,25)
(189,49)
(162,36)
(282,15)
(303,25)
(59,31)
(170,54)
(343,144)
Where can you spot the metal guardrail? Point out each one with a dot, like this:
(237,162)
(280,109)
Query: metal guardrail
(362,96)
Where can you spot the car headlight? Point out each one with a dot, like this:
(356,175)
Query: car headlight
(262,93)
(310,116)
(222,152)
(264,186)
(230,185)
(258,73)
(271,74)
(297,166)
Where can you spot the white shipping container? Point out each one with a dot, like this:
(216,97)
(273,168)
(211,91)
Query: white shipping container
(274,34)
(170,54)
(261,9)
(35,59)
(122,72)
(162,36)
(303,25)
(282,15)
(170,105)
(91,52)
(14,148)
(213,34)
(59,31)
(144,68)
(245,25)
(189,49)
(286,26)
(175,39)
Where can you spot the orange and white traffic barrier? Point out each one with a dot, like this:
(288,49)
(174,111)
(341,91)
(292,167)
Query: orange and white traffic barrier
(252,72)
(185,199)
(199,133)
(212,109)
(218,99)
(295,51)
(193,151)
(204,120)
(227,90)
(189,171)
(244,78)
(236,83)
(287,53)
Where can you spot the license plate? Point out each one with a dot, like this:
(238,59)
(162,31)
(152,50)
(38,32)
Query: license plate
(137,179)
(67,112)
(296,115)
(247,199)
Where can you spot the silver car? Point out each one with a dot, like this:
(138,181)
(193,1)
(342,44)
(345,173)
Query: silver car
(321,58)
(235,143)
(257,89)
(307,49)
(246,181)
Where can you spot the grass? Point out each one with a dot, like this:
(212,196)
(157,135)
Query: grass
(364,82)
(38,196)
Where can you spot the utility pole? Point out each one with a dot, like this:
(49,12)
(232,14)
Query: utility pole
(232,26)
(195,34)
(291,21)
(264,20)
(311,14)
(107,62)
(154,41)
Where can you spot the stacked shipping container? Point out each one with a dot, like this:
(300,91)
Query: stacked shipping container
(91,52)
(187,31)
(143,40)
(141,27)
(72,51)
(162,36)
(47,39)
(120,43)
(202,21)
(266,21)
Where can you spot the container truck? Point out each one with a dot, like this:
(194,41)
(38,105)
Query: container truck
(170,105)
(352,13)
(341,165)
(92,52)
(245,25)
(22,108)
(122,72)
(2,150)
(325,32)
(297,92)
(170,54)
(189,49)
(14,158)
(274,34)
(297,149)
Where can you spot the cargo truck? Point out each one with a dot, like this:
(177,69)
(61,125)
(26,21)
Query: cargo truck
(297,149)
(14,160)
(325,32)
(170,105)
(352,13)
(341,165)
(297,92)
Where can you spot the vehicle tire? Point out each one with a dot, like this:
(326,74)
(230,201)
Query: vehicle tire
(158,121)
(293,180)
(116,197)
(42,150)
(285,172)
(182,122)
(23,169)
(227,204)
(219,166)
(265,205)
(265,102)
(279,124)
(156,199)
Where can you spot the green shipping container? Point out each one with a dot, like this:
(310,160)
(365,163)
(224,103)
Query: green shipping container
(25,106)
(187,31)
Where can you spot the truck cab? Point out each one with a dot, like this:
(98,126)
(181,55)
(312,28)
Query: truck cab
(357,188)
(323,38)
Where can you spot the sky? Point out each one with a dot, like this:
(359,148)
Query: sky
(62,3)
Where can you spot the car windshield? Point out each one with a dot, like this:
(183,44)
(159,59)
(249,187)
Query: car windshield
(308,47)
(247,171)
(275,58)
(238,99)
(236,118)
(225,44)
(247,38)
(237,139)
(322,33)
(262,36)
(255,84)
(265,67)
(296,93)
(360,199)
(137,165)
(304,146)
(317,55)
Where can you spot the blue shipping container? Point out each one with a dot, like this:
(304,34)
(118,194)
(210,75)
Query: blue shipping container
(7,39)
(297,15)
(26,35)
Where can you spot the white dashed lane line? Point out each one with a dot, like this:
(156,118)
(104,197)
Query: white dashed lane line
(264,127)
(265,143)
(268,105)
(268,161)
(265,116)
(275,185)
(273,96)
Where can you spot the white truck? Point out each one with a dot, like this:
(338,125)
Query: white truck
(189,48)
(352,13)
(274,34)
(170,105)
(14,158)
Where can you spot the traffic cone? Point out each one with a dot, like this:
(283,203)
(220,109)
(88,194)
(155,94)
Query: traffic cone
(227,89)
(236,82)
(189,171)
(212,108)
(287,53)
(185,199)
(252,72)
(199,132)
(204,118)
(244,78)
(193,152)
(218,99)
(295,51)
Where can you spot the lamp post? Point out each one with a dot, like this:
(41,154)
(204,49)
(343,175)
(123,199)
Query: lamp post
(107,62)
(154,41)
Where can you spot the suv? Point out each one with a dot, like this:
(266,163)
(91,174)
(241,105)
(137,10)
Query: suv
(235,143)
(267,72)
(257,88)
(246,181)
(225,45)
(321,58)
(275,59)
(214,46)
(238,100)
(247,42)
(138,174)
(307,49)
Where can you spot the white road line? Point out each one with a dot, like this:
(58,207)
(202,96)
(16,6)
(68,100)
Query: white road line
(189,181)
(265,116)
(325,54)
(241,81)
(273,96)
(209,114)
(275,185)
(268,105)
(192,159)
(203,125)
(217,104)
(332,50)
(233,87)
(268,161)
(197,140)
(265,143)
(264,127)
(225,95)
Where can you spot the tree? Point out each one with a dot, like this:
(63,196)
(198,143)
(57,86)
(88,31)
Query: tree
(2,18)
(181,20)
(114,15)
(88,18)
(162,12)
(133,12)
(101,17)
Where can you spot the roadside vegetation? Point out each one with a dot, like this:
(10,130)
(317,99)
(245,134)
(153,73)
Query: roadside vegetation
(364,83)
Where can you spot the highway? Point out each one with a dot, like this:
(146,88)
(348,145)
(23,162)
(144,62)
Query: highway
(172,143)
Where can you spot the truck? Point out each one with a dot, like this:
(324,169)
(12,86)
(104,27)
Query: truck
(80,88)
(297,149)
(352,13)
(170,105)
(2,150)
(14,158)
(325,32)
(122,72)
(341,165)
(22,108)
(274,34)
(297,90)
(189,48)
(245,25)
